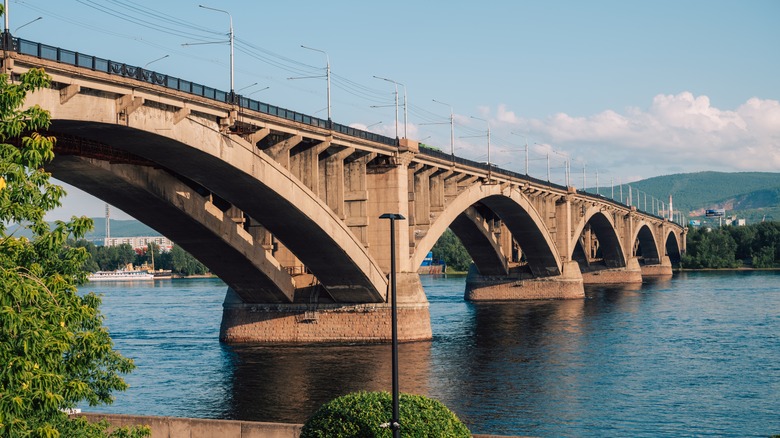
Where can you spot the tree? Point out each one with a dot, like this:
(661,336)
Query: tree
(185,264)
(450,249)
(710,249)
(54,350)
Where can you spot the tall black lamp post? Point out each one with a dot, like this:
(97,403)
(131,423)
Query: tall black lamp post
(395,424)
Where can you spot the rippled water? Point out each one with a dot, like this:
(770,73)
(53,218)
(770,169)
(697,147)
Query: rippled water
(694,355)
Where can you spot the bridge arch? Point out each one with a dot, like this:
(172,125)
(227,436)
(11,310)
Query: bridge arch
(480,242)
(517,213)
(605,230)
(248,179)
(645,239)
(170,206)
(673,247)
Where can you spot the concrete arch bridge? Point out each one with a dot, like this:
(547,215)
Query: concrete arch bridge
(285,207)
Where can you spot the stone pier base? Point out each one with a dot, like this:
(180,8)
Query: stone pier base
(568,285)
(328,323)
(664,269)
(632,273)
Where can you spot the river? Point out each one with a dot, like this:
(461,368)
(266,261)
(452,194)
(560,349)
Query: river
(694,355)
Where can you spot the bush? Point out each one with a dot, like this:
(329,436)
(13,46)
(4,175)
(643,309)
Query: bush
(361,414)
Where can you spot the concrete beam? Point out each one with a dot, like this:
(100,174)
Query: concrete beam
(68,92)
(127,104)
(181,114)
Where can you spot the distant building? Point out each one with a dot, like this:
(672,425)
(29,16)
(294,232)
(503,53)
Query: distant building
(140,243)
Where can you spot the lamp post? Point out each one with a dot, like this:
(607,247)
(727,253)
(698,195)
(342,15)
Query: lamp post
(230,40)
(452,129)
(395,424)
(490,173)
(7,39)
(327,76)
(526,151)
(5,13)
(396,104)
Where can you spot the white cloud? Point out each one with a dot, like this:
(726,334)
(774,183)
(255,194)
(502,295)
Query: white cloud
(676,133)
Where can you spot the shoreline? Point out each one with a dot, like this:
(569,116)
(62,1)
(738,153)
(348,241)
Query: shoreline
(724,269)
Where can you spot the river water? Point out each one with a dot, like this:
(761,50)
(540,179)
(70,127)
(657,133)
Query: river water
(698,354)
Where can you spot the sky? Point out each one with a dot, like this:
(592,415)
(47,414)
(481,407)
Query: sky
(625,90)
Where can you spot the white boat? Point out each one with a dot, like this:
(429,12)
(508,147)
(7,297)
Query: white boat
(121,275)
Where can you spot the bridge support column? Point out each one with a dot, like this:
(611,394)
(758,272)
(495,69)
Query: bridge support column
(328,322)
(663,269)
(632,273)
(514,287)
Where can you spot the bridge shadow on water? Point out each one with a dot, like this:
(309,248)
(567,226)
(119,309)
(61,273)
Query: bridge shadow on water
(501,366)
(288,383)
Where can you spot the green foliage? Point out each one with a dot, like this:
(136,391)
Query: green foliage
(54,350)
(710,249)
(764,258)
(361,414)
(185,264)
(450,249)
(757,244)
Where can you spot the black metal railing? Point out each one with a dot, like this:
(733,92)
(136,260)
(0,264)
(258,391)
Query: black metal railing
(95,63)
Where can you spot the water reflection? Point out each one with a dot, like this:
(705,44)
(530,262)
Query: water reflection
(287,384)
(688,356)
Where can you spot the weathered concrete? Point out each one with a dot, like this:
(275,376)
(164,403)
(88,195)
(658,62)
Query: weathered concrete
(630,274)
(174,427)
(284,196)
(329,322)
(178,427)
(514,286)
(663,269)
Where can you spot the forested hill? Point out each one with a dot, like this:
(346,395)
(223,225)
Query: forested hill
(750,195)
(119,228)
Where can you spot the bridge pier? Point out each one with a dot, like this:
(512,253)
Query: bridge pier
(632,273)
(328,322)
(663,269)
(514,286)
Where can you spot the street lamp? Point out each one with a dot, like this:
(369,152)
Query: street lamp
(396,104)
(155,60)
(490,174)
(526,151)
(395,424)
(29,22)
(452,129)
(327,76)
(257,91)
(230,39)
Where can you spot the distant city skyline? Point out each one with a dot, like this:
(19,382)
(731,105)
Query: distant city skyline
(633,90)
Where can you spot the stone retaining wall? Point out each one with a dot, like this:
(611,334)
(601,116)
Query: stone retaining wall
(177,427)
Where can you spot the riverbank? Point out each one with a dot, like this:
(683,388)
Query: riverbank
(177,427)
(741,268)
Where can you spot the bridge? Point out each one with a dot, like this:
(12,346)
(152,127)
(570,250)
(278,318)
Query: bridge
(285,207)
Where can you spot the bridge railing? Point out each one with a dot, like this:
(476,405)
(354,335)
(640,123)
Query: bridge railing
(523,177)
(95,63)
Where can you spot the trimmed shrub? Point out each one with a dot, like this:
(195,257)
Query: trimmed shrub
(361,414)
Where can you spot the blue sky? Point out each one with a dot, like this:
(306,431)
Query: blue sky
(631,89)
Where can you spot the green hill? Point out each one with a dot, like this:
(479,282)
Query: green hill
(119,228)
(750,195)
